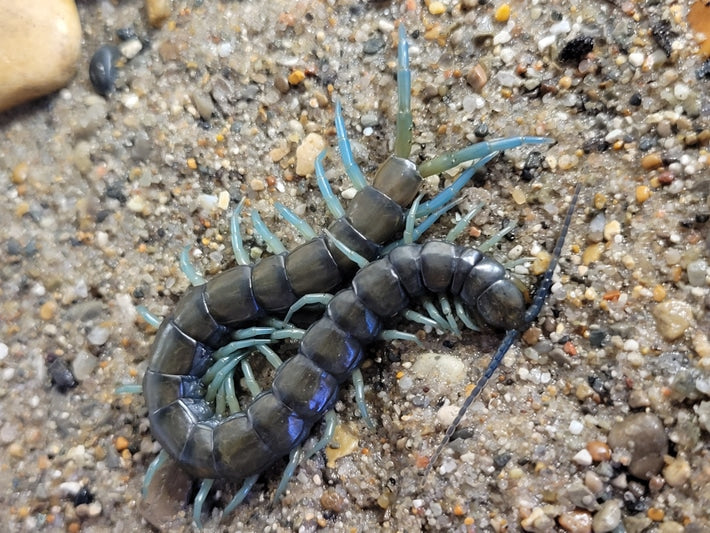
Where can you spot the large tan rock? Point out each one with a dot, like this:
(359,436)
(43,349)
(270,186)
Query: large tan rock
(39,48)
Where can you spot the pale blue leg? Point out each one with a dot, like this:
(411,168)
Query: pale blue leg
(421,228)
(403,139)
(464,316)
(251,382)
(359,385)
(294,460)
(433,312)
(235,346)
(155,464)
(152,319)
(321,298)
(408,236)
(350,254)
(331,422)
(131,388)
(225,371)
(462,224)
(346,153)
(271,240)
(231,395)
(194,277)
(510,265)
(220,402)
(393,334)
(270,355)
(288,333)
(235,233)
(331,201)
(495,239)
(297,222)
(240,495)
(252,332)
(450,192)
(446,309)
(419,318)
(205,488)
(478,150)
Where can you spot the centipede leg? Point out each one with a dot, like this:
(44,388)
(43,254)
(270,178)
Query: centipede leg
(403,138)
(240,495)
(303,227)
(331,201)
(346,153)
(194,277)
(271,240)
(235,235)
(199,501)
(359,385)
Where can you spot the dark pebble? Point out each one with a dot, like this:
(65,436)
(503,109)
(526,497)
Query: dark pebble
(595,144)
(373,45)
(61,375)
(481,131)
(576,49)
(646,143)
(664,36)
(126,34)
(501,460)
(644,436)
(14,247)
(597,338)
(83,496)
(102,69)
(115,191)
(704,70)
(635,99)
(533,163)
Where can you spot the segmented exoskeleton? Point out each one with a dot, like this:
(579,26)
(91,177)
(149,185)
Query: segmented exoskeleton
(245,443)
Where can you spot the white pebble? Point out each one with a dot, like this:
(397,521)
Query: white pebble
(631,345)
(545,42)
(3,350)
(576,427)
(502,37)
(681,91)
(98,336)
(636,58)
(583,458)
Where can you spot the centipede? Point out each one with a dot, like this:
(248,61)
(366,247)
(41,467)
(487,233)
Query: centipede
(211,437)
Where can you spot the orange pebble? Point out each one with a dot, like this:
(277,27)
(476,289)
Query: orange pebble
(121,443)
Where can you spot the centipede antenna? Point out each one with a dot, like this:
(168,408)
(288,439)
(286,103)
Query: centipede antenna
(393,334)
(294,459)
(495,239)
(446,309)
(461,225)
(152,319)
(419,318)
(270,355)
(359,385)
(350,254)
(271,240)
(235,233)
(320,298)
(194,277)
(240,495)
(450,192)
(249,378)
(303,227)
(475,151)
(506,343)
(546,282)
(357,178)
(331,422)
(408,235)
(464,316)
(403,138)
(331,201)
(200,498)
(153,467)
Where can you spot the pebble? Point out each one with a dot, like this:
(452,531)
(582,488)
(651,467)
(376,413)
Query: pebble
(697,271)
(102,69)
(599,451)
(676,471)
(439,366)
(644,436)
(607,518)
(61,375)
(83,365)
(158,12)
(576,521)
(40,43)
(306,153)
(204,104)
(583,458)
(673,318)
(98,336)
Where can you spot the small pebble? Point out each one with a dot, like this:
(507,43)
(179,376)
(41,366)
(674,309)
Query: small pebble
(102,69)
(583,458)
(651,161)
(440,366)
(306,153)
(576,521)
(576,49)
(673,318)
(98,336)
(158,11)
(61,375)
(676,472)
(644,436)
(599,451)
(437,8)
(697,271)
(502,14)
(607,518)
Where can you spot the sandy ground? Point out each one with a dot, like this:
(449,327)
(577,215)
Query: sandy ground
(101,194)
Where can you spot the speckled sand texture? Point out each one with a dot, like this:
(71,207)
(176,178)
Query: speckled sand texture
(599,418)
